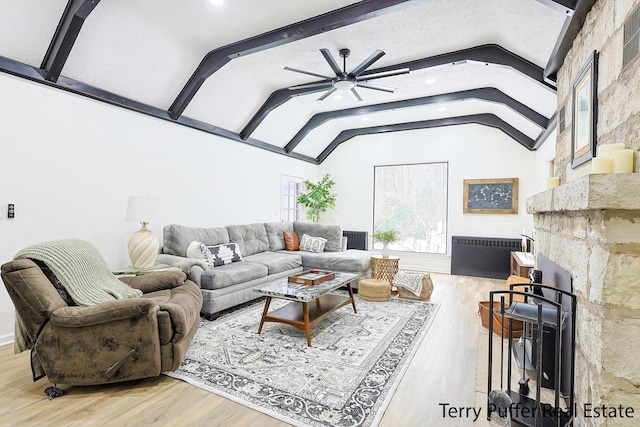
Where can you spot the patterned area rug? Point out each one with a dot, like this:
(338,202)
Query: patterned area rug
(347,377)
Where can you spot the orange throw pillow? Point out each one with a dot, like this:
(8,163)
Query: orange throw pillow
(291,242)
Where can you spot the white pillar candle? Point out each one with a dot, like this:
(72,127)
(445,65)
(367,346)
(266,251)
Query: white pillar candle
(601,164)
(608,149)
(554,181)
(623,161)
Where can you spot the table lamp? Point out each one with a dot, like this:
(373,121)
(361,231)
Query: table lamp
(143,244)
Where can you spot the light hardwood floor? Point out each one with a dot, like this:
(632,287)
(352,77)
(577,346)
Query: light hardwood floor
(443,371)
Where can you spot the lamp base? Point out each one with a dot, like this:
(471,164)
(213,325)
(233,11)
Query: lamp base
(143,248)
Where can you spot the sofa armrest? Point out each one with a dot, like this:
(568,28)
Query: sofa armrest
(182,263)
(156,281)
(78,317)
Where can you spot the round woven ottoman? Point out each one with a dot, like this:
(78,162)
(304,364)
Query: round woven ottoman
(374,290)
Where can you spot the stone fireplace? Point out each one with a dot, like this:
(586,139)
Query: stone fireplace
(591,227)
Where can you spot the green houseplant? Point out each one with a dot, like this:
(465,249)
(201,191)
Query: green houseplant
(385,237)
(318,197)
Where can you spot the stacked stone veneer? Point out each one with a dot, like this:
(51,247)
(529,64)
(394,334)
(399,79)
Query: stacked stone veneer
(618,114)
(591,227)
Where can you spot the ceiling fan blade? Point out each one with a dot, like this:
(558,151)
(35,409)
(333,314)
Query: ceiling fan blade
(316,85)
(307,72)
(327,94)
(382,74)
(332,62)
(355,95)
(376,87)
(366,63)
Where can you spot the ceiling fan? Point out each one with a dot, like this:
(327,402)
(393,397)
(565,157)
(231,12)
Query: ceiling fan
(348,81)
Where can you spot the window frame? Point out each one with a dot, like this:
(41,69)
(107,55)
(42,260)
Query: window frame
(299,209)
(446,206)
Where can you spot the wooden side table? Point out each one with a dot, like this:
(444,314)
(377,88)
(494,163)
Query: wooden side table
(384,268)
(521,263)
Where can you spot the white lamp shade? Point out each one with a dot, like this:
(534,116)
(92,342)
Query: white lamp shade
(144,209)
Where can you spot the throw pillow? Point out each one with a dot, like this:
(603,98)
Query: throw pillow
(312,244)
(198,250)
(225,254)
(291,242)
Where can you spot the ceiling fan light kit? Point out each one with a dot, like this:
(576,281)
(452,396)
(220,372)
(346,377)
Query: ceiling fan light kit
(348,81)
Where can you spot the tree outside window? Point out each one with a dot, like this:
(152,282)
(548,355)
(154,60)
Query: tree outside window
(412,199)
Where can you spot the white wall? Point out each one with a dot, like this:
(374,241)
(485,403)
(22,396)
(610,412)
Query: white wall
(473,152)
(544,154)
(69,164)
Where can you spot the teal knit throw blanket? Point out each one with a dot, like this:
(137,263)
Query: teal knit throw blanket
(81,270)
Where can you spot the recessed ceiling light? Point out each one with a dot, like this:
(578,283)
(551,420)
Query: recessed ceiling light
(216,2)
(430,81)
(442,109)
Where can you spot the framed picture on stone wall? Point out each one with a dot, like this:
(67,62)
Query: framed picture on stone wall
(585,104)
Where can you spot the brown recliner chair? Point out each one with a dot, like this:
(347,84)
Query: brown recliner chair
(119,340)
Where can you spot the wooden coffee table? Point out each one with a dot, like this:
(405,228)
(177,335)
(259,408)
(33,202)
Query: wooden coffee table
(310,304)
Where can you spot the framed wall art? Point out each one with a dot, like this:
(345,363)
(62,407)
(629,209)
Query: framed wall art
(491,196)
(585,105)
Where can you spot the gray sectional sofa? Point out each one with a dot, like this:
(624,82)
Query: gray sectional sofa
(264,258)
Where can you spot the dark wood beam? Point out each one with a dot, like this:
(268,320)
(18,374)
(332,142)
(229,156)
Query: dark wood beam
(217,58)
(551,126)
(563,6)
(485,94)
(489,54)
(572,26)
(65,36)
(483,119)
(33,74)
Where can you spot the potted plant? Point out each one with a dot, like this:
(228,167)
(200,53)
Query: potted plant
(318,197)
(385,237)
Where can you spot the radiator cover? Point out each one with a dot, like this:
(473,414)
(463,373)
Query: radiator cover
(482,256)
(356,239)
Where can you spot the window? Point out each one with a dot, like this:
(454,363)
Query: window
(631,46)
(412,199)
(291,189)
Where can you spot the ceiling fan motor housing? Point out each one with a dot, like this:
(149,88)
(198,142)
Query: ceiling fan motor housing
(344,83)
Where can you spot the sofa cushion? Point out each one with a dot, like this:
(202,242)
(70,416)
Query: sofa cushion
(333,234)
(312,243)
(225,254)
(276,262)
(176,238)
(198,250)
(251,238)
(291,242)
(351,260)
(232,274)
(274,234)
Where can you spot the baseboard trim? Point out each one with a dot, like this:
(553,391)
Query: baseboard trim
(424,269)
(6,339)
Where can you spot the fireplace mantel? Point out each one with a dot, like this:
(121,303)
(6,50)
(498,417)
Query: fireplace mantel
(590,192)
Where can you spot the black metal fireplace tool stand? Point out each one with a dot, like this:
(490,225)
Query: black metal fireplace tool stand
(539,315)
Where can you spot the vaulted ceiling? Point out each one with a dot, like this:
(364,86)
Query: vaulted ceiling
(221,69)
